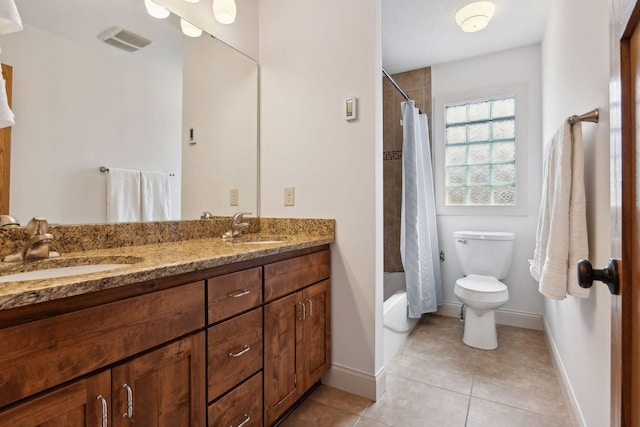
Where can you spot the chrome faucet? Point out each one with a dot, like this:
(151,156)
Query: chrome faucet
(37,244)
(236,226)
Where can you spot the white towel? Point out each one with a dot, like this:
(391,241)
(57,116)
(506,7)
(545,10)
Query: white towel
(10,20)
(155,195)
(123,195)
(561,235)
(7,117)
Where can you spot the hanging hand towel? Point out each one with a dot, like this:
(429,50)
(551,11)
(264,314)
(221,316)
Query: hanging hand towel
(6,115)
(155,196)
(10,20)
(123,195)
(561,235)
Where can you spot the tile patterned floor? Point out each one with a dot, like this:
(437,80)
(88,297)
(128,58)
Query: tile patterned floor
(436,380)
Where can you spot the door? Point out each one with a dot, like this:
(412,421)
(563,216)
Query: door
(283,355)
(5,148)
(625,163)
(317,332)
(82,403)
(165,388)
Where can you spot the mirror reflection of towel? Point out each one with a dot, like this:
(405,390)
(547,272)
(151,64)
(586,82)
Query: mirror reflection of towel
(10,20)
(155,195)
(6,115)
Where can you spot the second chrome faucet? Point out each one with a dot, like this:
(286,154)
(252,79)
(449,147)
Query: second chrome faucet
(37,244)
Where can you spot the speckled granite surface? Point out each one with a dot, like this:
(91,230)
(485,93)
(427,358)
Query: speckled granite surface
(150,251)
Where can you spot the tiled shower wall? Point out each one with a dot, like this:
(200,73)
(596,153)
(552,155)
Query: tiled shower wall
(417,85)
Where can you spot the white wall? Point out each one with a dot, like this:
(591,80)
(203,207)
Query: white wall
(76,109)
(220,100)
(241,35)
(311,59)
(575,70)
(514,66)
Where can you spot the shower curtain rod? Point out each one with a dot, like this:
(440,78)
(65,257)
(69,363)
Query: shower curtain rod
(393,82)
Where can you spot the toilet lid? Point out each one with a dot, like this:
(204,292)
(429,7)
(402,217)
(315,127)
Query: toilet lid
(475,282)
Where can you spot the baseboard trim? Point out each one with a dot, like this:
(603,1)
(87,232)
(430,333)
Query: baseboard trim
(520,319)
(565,384)
(356,382)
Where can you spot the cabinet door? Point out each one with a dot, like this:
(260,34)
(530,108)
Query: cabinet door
(317,332)
(165,388)
(282,354)
(76,405)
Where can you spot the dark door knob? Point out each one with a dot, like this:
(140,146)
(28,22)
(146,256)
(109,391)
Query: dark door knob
(608,275)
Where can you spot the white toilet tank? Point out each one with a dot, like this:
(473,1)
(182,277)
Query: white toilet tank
(487,253)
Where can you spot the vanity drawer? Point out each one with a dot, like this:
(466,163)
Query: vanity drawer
(284,277)
(234,351)
(244,404)
(234,293)
(38,355)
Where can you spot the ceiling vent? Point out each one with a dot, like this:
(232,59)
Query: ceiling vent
(123,39)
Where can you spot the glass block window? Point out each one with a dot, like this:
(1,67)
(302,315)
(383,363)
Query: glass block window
(480,153)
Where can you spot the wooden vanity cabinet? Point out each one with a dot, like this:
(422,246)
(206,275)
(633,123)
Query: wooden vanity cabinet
(149,342)
(297,330)
(234,349)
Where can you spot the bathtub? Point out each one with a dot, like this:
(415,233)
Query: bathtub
(397,324)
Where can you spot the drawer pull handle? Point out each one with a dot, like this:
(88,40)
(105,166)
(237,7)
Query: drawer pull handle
(247,418)
(310,307)
(104,410)
(129,413)
(238,294)
(243,351)
(304,311)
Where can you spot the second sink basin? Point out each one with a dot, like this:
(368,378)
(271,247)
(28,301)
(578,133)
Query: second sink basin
(62,267)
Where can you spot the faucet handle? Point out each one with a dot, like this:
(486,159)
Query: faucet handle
(238,217)
(37,225)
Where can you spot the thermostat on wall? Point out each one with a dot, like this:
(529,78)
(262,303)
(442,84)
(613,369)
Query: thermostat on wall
(351,110)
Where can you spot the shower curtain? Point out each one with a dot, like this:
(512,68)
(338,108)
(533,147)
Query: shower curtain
(418,233)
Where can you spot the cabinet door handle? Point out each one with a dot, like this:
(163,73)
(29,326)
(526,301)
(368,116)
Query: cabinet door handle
(247,418)
(104,410)
(239,293)
(129,413)
(243,351)
(310,307)
(304,311)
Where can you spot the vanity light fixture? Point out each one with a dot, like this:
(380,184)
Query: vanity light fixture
(192,1)
(475,16)
(155,10)
(189,29)
(224,11)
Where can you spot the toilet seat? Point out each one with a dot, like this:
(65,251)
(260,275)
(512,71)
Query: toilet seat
(481,289)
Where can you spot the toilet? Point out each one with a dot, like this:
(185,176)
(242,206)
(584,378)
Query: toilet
(485,257)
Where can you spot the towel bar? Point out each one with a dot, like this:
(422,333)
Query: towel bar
(592,116)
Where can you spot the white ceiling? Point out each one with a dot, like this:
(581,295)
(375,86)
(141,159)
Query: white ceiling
(421,33)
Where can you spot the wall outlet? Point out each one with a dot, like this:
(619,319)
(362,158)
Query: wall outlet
(233,197)
(289,196)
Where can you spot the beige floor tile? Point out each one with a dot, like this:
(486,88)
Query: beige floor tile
(413,404)
(340,399)
(521,336)
(315,414)
(366,422)
(446,371)
(521,386)
(483,413)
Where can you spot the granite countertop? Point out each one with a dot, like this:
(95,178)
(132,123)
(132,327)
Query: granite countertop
(144,262)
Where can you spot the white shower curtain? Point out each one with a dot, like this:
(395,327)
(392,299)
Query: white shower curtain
(418,233)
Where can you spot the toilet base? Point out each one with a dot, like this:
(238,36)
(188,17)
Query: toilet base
(480,329)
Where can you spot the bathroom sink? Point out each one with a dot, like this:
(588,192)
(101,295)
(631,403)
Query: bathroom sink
(62,267)
(258,240)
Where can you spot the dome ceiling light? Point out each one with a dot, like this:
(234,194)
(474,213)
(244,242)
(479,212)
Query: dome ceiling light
(475,16)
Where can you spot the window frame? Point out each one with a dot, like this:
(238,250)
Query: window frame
(519,92)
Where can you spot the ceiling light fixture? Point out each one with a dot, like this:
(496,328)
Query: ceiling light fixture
(224,11)
(475,16)
(189,29)
(155,10)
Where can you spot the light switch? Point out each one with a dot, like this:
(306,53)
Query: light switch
(289,196)
(233,197)
(192,135)
(351,108)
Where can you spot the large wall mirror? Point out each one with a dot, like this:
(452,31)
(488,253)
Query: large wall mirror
(81,104)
